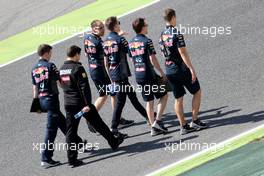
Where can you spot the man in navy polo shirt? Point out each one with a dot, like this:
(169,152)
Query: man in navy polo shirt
(180,72)
(116,49)
(45,76)
(142,52)
(93,46)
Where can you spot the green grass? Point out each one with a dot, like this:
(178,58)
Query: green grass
(27,41)
(205,157)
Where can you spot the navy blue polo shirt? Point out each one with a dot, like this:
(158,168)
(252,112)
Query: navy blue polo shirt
(115,50)
(140,48)
(44,76)
(170,41)
(93,46)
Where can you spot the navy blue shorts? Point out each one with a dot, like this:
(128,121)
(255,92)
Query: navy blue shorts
(183,80)
(152,90)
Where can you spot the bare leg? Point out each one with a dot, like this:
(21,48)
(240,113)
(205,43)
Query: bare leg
(161,106)
(150,111)
(179,110)
(100,101)
(196,102)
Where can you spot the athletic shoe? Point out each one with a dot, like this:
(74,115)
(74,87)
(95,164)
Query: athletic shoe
(117,134)
(125,123)
(120,140)
(50,163)
(198,124)
(187,129)
(76,163)
(158,124)
(154,131)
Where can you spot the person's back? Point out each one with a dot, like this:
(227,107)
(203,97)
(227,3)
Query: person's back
(116,48)
(170,41)
(45,76)
(143,54)
(180,72)
(93,46)
(69,71)
(141,47)
(78,100)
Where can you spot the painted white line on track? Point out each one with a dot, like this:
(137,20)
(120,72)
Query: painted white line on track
(76,34)
(206,150)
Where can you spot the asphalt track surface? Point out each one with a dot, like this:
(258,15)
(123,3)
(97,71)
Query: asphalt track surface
(230,70)
(18,16)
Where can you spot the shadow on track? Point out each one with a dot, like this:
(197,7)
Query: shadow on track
(218,117)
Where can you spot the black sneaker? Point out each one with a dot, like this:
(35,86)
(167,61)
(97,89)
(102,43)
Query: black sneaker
(76,163)
(158,124)
(187,129)
(125,123)
(117,134)
(120,140)
(198,124)
(50,163)
(154,131)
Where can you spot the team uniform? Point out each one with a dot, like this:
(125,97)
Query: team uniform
(177,72)
(93,46)
(140,48)
(77,94)
(44,76)
(116,49)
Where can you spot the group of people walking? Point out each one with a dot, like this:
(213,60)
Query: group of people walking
(109,69)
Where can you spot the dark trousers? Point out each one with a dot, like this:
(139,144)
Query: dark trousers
(126,90)
(55,120)
(94,119)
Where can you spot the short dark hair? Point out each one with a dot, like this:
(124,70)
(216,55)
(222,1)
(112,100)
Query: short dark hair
(73,50)
(95,23)
(138,24)
(111,22)
(169,14)
(44,48)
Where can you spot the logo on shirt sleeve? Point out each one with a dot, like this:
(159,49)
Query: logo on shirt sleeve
(84,75)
